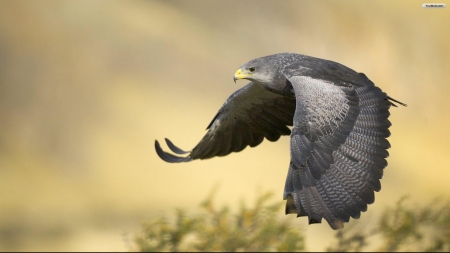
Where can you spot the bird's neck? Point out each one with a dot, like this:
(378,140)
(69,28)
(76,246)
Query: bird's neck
(280,85)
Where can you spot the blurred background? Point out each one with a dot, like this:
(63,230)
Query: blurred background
(87,86)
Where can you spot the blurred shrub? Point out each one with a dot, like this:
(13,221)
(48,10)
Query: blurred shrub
(404,227)
(416,228)
(401,228)
(251,229)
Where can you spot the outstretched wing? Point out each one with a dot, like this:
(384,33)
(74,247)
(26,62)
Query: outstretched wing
(249,114)
(338,144)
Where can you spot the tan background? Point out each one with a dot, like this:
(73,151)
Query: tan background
(87,86)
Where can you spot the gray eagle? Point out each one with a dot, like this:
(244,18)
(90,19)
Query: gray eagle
(339,122)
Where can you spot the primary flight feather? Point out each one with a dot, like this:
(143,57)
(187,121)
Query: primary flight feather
(339,122)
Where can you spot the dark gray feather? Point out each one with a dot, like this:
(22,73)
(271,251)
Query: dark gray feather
(247,117)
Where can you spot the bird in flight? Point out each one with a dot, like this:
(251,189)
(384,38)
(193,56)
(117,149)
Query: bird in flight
(338,145)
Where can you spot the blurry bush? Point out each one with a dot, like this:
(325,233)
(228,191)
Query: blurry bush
(251,229)
(401,228)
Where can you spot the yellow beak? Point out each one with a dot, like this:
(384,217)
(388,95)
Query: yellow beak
(240,75)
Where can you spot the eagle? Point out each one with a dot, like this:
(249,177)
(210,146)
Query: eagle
(338,136)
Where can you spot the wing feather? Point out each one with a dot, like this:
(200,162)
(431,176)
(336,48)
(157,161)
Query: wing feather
(338,145)
(247,117)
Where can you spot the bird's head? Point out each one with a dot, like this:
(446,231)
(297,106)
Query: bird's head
(260,70)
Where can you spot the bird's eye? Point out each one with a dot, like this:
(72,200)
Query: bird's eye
(252,69)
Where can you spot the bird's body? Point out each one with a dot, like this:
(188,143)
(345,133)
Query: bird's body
(338,139)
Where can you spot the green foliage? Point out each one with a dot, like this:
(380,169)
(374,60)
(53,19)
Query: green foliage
(404,227)
(251,229)
(418,228)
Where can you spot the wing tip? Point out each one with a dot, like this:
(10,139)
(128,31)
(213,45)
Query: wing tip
(169,157)
(290,205)
(334,222)
(174,148)
(314,221)
(396,101)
